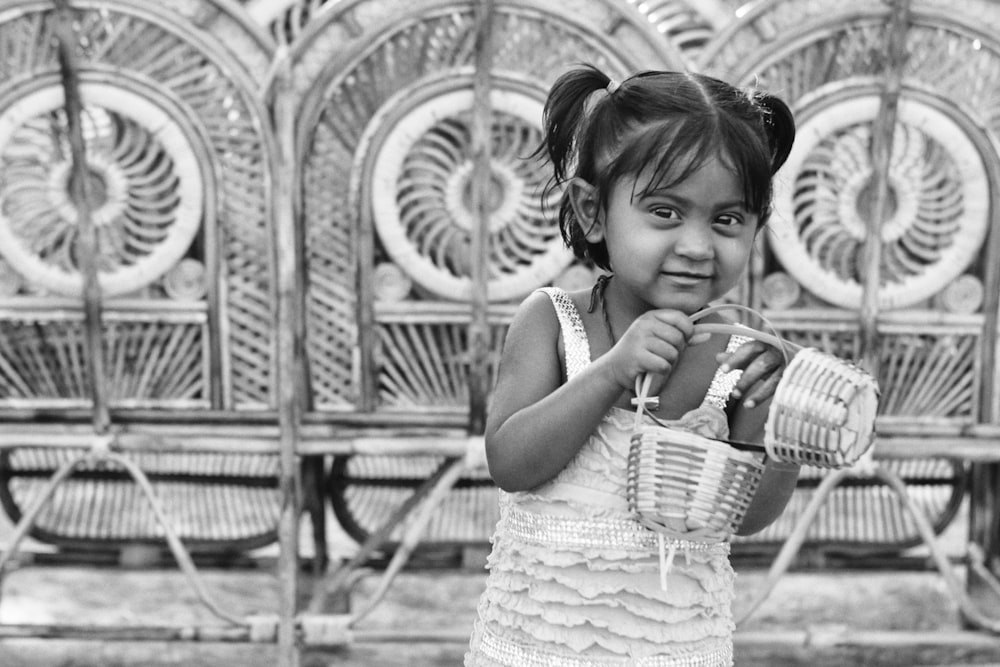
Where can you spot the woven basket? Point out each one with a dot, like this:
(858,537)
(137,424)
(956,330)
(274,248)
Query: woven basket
(690,487)
(822,413)
(687,486)
(823,410)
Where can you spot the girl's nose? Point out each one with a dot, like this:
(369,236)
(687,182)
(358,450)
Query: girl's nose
(695,242)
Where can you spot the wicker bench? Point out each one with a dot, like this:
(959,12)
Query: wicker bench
(861,517)
(218,503)
(364,491)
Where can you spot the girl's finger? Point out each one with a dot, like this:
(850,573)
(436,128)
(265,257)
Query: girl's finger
(656,366)
(764,366)
(672,336)
(722,358)
(662,363)
(741,357)
(656,383)
(762,391)
(676,320)
(698,339)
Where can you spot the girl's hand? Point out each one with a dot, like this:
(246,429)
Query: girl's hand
(762,367)
(651,345)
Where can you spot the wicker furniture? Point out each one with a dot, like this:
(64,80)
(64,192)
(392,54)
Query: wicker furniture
(179,158)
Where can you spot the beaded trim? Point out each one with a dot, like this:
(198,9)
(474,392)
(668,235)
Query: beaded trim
(623,534)
(577,348)
(723,383)
(574,335)
(508,653)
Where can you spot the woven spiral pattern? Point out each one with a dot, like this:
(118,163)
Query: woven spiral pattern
(145,196)
(179,147)
(423,203)
(832,187)
(687,486)
(937,208)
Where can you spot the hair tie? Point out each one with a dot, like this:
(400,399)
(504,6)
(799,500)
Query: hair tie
(612,86)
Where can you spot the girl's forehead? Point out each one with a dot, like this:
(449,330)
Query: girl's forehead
(670,170)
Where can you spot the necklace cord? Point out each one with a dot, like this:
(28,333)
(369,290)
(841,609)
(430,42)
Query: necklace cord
(597,294)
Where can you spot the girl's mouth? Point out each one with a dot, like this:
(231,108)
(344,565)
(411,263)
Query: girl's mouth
(688,278)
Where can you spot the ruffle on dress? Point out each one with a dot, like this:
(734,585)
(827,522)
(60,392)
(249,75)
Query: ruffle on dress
(557,583)
(575,580)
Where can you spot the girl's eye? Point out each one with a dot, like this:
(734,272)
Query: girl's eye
(665,212)
(729,220)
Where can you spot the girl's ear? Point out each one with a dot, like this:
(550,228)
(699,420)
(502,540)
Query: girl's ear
(583,198)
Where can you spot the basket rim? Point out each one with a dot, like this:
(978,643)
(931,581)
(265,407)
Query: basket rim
(688,438)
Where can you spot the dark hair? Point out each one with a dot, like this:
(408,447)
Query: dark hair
(670,121)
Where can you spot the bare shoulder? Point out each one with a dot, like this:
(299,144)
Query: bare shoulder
(535,315)
(532,338)
(530,366)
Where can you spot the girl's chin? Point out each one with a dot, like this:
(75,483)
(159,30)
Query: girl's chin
(686,301)
(686,306)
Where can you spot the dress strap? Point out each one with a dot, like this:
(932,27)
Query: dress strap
(724,382)
(577,348)
(575,343)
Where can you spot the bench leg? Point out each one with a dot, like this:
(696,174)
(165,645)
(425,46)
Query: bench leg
(313,501)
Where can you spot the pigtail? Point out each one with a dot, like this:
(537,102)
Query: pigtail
(780,127)
(565,112)
(564,119)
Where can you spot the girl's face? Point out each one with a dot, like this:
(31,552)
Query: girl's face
(679,247)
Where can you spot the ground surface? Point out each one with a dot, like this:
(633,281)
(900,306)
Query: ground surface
(815,619)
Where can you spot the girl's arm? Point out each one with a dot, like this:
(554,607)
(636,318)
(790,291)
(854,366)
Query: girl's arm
(778,480)
(776,486)
(536,424)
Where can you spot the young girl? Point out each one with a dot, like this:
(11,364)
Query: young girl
(667,180)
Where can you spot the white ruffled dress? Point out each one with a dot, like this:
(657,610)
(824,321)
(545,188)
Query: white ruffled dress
(574,579)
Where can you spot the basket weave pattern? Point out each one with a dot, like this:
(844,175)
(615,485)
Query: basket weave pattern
(822,413)
(688,486)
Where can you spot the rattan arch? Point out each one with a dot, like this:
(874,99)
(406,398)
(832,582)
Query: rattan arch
(181,154)
(384,140)
(367,109)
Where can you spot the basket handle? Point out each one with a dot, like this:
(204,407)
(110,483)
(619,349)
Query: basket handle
(642,382)
(773,338)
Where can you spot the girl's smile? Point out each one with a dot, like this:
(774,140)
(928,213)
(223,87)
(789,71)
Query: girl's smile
(681,246)
(687,279)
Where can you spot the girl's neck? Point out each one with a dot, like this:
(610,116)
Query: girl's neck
(621,306)
(613,306)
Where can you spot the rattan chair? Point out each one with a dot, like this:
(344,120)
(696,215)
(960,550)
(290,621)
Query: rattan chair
(217,503)
(862,517)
